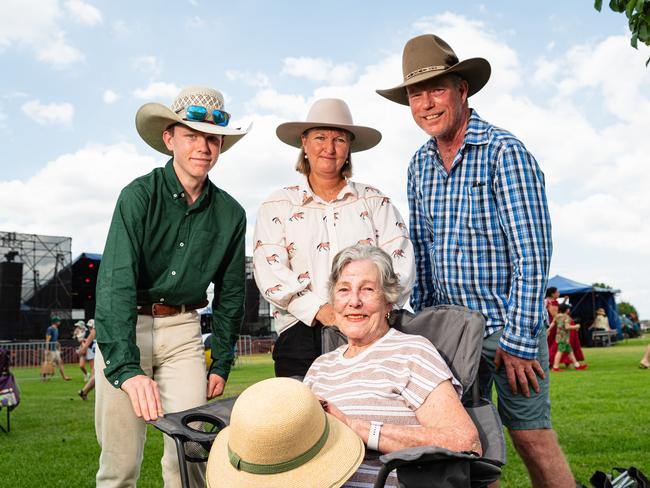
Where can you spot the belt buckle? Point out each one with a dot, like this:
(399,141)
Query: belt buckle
(153,310)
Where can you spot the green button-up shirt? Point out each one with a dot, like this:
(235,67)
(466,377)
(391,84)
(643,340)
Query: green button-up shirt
(160,250)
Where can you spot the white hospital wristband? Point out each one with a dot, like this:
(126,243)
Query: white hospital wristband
(373,435)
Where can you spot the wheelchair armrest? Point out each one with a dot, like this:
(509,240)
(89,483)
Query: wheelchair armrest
(419,455)
(424,453)
(216,414)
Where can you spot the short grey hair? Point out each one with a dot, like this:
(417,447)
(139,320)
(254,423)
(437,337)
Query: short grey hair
(388,279)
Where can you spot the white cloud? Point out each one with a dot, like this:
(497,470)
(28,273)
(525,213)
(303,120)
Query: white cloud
(35,23)
(319,69)
(149,65)
(51,113)
(256,79)
(93,175)
(283,105)
(83,12)
(110,97)
(157,90)
(58,52)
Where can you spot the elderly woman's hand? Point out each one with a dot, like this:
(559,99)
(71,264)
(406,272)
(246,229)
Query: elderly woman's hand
(333,411)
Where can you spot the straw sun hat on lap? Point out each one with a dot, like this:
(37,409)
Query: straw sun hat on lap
(280,436)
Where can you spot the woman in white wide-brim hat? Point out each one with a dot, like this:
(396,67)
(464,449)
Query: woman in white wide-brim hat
(280,437)
(301,227)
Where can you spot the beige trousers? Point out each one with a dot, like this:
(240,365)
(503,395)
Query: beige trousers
(172,353)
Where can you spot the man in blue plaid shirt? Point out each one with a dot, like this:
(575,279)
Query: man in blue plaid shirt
(481,232)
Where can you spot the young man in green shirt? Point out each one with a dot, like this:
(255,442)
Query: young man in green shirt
(173,233)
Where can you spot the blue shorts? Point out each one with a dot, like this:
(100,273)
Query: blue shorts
(517,411)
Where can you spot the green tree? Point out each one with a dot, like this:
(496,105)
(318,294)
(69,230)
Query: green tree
(624,308)
(602,285)
(638,18)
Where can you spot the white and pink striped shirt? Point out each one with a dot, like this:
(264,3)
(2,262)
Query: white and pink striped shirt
(386,382)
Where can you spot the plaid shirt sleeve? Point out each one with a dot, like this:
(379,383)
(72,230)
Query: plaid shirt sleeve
(420,238)
(524,218)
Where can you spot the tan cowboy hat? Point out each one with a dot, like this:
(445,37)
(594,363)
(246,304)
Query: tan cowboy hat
(427,57)
(152,119)
(280,437)
(334,113)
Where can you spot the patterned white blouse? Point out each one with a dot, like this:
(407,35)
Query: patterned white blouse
(297,235)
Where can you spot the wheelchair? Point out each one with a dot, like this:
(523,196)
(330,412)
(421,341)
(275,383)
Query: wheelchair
(457,334)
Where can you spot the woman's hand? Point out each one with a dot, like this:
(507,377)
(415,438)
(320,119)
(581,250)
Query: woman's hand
(325,315)
(333,411)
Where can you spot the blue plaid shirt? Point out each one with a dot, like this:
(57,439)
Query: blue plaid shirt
(482,233)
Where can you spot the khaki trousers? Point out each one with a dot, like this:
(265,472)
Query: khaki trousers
(172,353)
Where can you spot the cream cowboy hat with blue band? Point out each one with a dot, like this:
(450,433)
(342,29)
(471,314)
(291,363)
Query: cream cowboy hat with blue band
(152,119)
(280,437)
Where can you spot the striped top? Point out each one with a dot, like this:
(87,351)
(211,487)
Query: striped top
(387,382)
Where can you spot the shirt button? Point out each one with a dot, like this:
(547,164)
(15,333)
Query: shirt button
(116,382)
(175,195)
(162,300)
(183,195)
(173,273)
(181,244)
(108,362)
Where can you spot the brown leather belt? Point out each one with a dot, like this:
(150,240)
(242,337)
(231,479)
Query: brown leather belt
(163,310)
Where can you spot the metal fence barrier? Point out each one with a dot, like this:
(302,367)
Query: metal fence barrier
(32,354)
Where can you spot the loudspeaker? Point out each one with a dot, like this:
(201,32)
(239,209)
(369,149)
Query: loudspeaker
(11,282)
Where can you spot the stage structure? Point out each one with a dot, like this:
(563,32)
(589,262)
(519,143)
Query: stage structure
(35,283)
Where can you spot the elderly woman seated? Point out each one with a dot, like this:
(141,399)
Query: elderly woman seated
(393,389)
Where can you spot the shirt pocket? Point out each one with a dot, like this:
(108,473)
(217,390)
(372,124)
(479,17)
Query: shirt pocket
(478,204)
(474,223)
(207,250)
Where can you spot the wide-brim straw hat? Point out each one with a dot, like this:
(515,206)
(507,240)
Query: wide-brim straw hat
(428,56)
(280,436)
(152,119)
(332,113)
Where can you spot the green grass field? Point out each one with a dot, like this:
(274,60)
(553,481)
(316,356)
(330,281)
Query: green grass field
(601,416)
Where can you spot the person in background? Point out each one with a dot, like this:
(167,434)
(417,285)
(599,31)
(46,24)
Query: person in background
(53,348)
(80,333)
(563,323)
(601,322)
(87,349)
(645,360)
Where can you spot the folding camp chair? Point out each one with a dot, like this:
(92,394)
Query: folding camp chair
(457,333)
(9,392)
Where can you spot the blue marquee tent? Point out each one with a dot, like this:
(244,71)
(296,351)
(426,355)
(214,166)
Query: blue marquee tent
(585,300)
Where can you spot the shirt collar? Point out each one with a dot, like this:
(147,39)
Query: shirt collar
(302,193)
(176,190)
(477,130)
